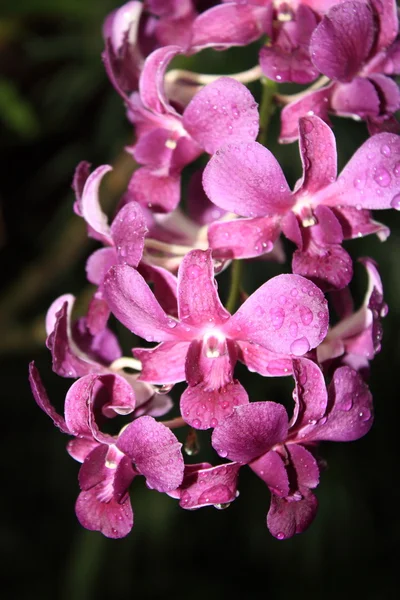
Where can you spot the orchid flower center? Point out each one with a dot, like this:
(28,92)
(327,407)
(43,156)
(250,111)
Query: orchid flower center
(214,344)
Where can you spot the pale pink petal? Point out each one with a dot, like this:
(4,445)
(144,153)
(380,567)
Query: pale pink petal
(98,264)
(203,408)
(246,179)
(198,300)
(163,364)
(250,431)
(209,486)
(155,451)
(134,304)
(266,317)
(343,40)
(151,82)
(223,111)
(89,206)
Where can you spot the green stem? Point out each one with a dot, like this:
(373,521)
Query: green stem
(267,107)
(236,274)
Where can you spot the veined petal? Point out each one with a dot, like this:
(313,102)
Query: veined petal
(271,469)
(316,140)
(359,97)
(163,364)
(370,180)
(343,40)
(258,359)
(266,317)
(243,238)
(286,518)
(203,408)
(330,266)
(305,466)
(198,300)
(229,25)
(134,304)
(209,486)
(42,399)
(311,396)
(358,223)
(250,431)
(155,451)
(247,180)
(128,231)
(223,111)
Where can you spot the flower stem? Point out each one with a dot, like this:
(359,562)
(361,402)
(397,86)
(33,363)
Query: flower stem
(267,107)
(234,292)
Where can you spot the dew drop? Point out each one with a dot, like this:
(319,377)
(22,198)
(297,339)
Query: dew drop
(223,453)
(196,423)
(395,203)
(259,311)
(300,346)
(280,535)
(308,126)
(277,317)
(293,329)
(282,299)
(359,183)
(194,272)
(214,422)
(346,402)
(382,177)
(185,498)
(385,150)
(306,315)
(171,323)
(396,170)
(365,415)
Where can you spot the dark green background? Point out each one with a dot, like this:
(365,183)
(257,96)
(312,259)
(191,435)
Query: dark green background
(57,108)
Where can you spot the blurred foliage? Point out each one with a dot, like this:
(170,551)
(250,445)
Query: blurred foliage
(57,108)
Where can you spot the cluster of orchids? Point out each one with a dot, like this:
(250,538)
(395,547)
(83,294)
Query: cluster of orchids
(159,255)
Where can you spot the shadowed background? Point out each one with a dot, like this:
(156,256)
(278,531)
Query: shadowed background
(57,108)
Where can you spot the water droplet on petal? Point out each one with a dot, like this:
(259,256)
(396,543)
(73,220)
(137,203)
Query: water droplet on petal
(223,453)
(196,423)
(308,126)
(396,170)
(194,271)
(214,422)
(306,315)
(293,329)
(171,323)
(346,402)
(280,535)
(385,150)
(185,498)
(300,346)
(365,414)
(359,183)
(395,203)
(277,317)
(382,177)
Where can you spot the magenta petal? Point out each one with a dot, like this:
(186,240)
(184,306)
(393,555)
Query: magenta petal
(370,179)
(228,25)
(316,140)
(313,103)
(78,404)
(343,40)
(103,347)
(158,191)
(388,22)
(134,304)
(388,92)
(223,111)
(286,518)
(330,267)
(93,470)
(294,66)
(246,179)
(359,97)
(358,223)
(243,238)
(81,175)
(89,206)
(351,412)
(128,231)
(250,431)
(271,469)
(42,399)
(151,83)
(163,364)
(259,360)
(155,451)
(198,300)
(54,309)
(203,408)
(266,317)
(113,518)
(165,286)
(80,448)
(199,208)
(209,486)
(311,394)
(305,465)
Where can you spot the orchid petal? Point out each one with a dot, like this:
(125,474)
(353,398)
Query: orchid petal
(271,469)
(243,238)
(155,451)
(286,518)
(209,486)
(89,206)
(250,431)
(98,264)
(305,465)
(330,267)
(203,408)
(312,103)
(266,317)
(259,360)
(134,304)
(163,364)
(128,231)
(316,140)
(246,179)
(311,395)
(158,191)
(151,82)
(223,111)
(42,399)
(343,40)
(359,97)
(198,300)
